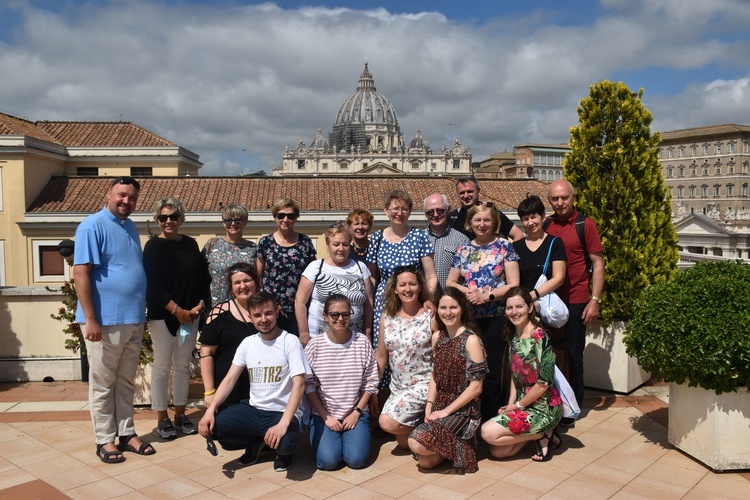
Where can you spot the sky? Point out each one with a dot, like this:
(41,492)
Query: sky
(235,81)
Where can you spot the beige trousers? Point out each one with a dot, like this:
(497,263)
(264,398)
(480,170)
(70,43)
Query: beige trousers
(113,362)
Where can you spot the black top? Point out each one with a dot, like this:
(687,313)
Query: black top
(458,222)
(532,263)
(175,270)
(227,333)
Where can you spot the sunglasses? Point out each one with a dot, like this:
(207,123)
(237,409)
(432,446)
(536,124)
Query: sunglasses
(127,181)
(229,222)
(405,269)
(488,204)
(285,215)
(336,315)
(437,211)
(174,217)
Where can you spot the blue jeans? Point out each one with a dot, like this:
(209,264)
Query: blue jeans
(243,420)
(331,447)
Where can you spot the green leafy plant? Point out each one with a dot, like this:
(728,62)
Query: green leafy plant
(615,170)
(75,341)
(694,328)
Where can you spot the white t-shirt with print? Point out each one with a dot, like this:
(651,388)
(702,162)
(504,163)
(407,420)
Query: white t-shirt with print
(271,364)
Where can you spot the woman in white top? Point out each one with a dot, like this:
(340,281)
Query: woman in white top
(337,273)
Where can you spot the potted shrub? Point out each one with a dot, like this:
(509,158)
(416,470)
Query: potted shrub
(693,332)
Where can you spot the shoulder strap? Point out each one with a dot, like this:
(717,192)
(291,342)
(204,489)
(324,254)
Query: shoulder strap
(320,270)
(581,230)
(549,251)
(211,244)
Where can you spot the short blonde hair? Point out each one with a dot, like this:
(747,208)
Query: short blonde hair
(339,228)
(235,211)
(285,203)
(482,208)
(171,202)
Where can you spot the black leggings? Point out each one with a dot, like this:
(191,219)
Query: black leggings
(496,387)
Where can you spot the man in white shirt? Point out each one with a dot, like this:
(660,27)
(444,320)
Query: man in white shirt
(277,367)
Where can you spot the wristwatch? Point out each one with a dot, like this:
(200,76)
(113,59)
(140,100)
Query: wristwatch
(357,408)
(596,299)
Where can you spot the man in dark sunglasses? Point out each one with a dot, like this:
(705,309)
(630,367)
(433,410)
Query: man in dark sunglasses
(444,238)
(111,286)
(467,190)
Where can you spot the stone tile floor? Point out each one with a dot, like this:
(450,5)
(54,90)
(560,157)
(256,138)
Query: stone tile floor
(618,449)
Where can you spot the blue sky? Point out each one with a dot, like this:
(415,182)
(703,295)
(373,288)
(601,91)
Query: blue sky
(236,81)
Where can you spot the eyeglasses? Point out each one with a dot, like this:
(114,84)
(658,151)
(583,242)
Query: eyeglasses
(174,217)
(399,210)
(127,181)
(488,204)
(229,222)
(336,315)
(284,215)
(405,269)
(437,211)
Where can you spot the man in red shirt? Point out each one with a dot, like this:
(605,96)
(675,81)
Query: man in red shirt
(580,293)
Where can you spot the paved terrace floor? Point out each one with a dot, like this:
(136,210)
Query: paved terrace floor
(618,449)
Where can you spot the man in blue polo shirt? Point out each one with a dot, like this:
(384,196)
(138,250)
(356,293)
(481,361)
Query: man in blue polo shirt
(111,287)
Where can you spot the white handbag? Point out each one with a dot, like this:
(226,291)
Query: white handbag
(552,310)
(569,403)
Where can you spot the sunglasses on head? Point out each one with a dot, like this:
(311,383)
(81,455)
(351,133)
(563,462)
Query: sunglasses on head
(237,221)
(336,315)
(285,215)
(436,211)
(127,181)
(488,204)
(174,217)
(405,269)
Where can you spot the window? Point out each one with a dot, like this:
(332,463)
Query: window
(730,190)
(730,148)
(87,171)
(705,150)
(730,170)
(717,170)
(679,191)
(716,191)
(343,165)
(300,164)
(681,152)
(658,153)
(325,165)
(692,150)
(536,174)
(717,149)
(704,171)
(693,171)
(691,191)
(364,165)
(456,164)
(680,171)
(745,190)
(744,168)
(395,165)
(704,191)
(49,265)
(414,165)
(670,172)
(669,153)
(141,171)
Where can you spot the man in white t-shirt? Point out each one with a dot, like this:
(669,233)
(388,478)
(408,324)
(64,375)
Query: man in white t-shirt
(277,367)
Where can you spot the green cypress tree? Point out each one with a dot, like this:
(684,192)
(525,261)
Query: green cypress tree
(615,170)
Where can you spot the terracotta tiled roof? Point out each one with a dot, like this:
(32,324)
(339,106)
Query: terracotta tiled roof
(103,134)
(704,131)
(87,194)
(12,125)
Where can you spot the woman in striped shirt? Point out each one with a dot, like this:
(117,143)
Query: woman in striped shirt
(340,423)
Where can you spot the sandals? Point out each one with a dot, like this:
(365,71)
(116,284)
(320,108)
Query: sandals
(109,457)
(144,449)
(555,445)
(540,450)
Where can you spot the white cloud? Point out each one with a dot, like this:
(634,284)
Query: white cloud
(220,79)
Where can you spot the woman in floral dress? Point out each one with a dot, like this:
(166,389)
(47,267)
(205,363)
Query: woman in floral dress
(405,346)
(534,408)
(282,257)
(452,413)
(484,270)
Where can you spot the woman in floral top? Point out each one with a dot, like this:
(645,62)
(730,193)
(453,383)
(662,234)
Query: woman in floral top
(484,270)
(282,257)
(534,407)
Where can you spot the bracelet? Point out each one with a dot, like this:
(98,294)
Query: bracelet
(519,406)
(430,402)
(209,393)
(536,292)
(175,308)
(357,408)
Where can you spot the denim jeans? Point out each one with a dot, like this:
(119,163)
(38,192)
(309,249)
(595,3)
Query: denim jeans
(243,420)
(331,447)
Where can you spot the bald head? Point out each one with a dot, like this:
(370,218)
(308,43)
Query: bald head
(560,195)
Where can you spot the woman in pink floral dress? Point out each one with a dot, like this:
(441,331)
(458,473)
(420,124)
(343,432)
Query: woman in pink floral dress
(534,407)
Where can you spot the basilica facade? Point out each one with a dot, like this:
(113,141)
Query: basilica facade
(367,140)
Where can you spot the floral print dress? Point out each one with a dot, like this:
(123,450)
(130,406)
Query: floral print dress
(221,255)
(409,345)
(283,267)
(532,360)
(452,437)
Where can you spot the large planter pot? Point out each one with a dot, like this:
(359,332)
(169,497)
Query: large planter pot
(606,365)
(714,429)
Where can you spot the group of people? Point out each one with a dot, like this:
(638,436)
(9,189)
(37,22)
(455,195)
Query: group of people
(428,334)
